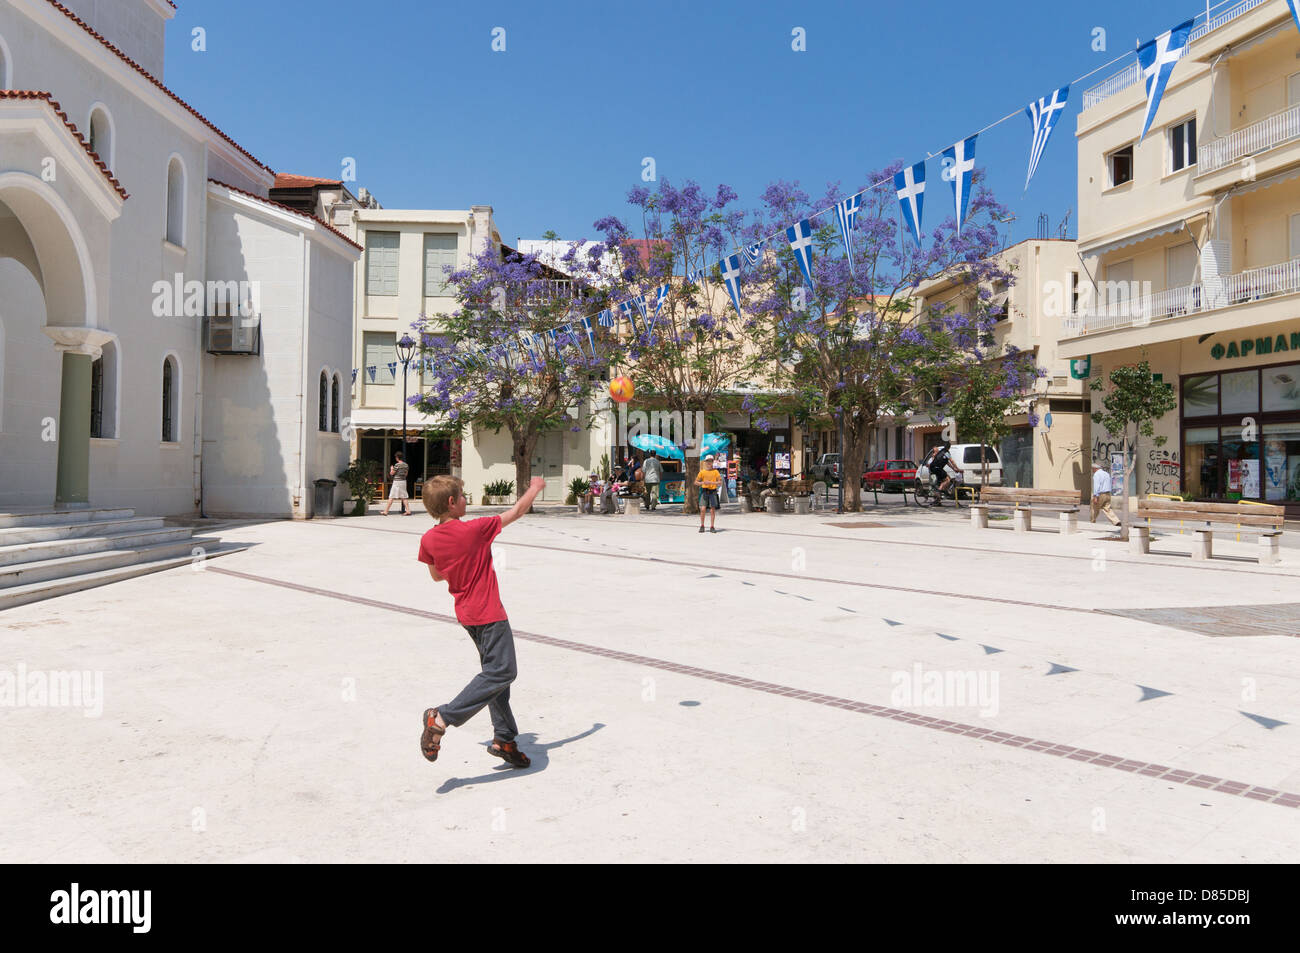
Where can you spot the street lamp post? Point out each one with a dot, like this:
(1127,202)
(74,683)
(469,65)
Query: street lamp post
(405,350)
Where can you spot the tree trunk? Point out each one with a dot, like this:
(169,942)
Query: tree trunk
(856,439)
(691,503)
(1128,471)
(524,443)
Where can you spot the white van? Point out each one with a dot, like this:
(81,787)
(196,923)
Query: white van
(966,457)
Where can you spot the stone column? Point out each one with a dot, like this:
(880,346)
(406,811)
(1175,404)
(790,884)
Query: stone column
(80,347)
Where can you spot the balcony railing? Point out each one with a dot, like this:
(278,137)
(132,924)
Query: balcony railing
(1212,294)
(1251,140)
(1132,73)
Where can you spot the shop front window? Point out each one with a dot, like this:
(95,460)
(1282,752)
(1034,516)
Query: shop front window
(1201,462)
(1281,387)
(1201,396)
(1239,392)
(1281,463)
(1239,468)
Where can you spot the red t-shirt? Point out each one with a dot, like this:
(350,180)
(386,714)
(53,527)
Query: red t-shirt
(461,551)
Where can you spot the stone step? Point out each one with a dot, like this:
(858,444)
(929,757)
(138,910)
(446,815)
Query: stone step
(15,535)
(51,516)
(14,554)
(63,567)
(35,592)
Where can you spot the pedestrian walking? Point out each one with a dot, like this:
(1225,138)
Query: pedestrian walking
(708,480)
(398,473)
(1101,491)
(652,473)
(460,554)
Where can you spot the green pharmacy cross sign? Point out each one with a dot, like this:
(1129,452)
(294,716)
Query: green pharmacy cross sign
(1265,345)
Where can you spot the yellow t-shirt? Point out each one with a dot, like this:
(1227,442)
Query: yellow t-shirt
(708,479)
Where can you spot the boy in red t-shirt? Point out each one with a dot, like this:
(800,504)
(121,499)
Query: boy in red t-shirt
(460,554)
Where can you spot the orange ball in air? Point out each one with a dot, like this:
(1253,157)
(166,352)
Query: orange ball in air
(620,388)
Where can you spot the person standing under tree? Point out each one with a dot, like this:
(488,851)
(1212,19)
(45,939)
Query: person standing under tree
(398,471)
(460,554)
(653,474)
(708,480)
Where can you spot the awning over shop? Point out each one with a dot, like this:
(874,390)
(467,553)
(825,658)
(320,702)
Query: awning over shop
(1176,225)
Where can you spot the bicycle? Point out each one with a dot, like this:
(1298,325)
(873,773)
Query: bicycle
(927,492)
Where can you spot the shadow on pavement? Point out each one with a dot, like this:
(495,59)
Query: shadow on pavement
(540,755)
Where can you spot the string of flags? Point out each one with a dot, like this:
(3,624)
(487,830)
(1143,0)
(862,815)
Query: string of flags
(1156,59)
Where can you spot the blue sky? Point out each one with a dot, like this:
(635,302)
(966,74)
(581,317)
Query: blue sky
(552,131)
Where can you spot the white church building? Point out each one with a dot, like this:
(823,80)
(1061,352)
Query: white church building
(171,341)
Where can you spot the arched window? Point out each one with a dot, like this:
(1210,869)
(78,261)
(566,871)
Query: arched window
(171,386)
(176,202)
(323,414)
(97,398)
(334,405)
(101,134)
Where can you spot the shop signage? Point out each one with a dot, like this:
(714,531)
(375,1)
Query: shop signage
(1265,345)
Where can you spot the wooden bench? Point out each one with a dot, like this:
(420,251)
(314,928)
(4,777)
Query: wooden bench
(1262,518)
(1024,502)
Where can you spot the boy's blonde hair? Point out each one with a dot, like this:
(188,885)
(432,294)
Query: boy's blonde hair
(440,492)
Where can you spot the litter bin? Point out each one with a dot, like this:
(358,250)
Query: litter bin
(323,501)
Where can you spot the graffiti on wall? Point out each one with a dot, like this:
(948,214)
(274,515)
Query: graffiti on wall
(1163,472)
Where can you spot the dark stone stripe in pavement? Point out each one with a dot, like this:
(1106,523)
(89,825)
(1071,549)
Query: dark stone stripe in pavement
(1277,619)
(1163,772)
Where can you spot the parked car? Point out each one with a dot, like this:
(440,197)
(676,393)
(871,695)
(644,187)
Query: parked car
(889,475)
(966,457)
(826,469)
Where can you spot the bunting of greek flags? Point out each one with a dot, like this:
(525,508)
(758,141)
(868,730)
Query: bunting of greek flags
(1043,114)
(752,253)
(910,185)
(800,237)
(661,295)
(959,169)
(730,268)
(605,319)
(1157,58)
(846,213)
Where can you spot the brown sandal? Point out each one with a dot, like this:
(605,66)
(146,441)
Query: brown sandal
(508,752)
(431,739)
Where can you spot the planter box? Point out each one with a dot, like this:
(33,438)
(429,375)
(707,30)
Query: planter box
(355,507)
(498,501)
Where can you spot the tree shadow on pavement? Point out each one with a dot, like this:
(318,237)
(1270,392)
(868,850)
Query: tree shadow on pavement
(540,755)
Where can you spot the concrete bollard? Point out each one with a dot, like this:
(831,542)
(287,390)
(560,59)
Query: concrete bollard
(979,516)
(802,506)
(1203,544)
(1269,552)
(1069,523)
(1139,540)
(632,506)
(776,504)
(1024,521)
(746,504)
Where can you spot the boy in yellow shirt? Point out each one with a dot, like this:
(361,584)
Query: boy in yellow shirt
(708,480)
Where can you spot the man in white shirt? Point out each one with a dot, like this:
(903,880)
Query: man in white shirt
(652,472)
(1101,490)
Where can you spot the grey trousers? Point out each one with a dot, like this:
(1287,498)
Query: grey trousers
(491,687)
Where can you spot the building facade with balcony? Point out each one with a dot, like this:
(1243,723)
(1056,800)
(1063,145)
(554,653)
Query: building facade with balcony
(1190,243)
(171,340)
(1048,444)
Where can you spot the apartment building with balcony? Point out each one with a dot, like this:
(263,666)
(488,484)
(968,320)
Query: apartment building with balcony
(1191,244)
(1048,444)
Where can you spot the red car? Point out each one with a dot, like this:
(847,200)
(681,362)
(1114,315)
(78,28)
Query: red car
(889,475)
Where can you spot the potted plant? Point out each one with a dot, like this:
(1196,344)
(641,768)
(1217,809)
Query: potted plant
(578,487)
(498,493)
(359,476)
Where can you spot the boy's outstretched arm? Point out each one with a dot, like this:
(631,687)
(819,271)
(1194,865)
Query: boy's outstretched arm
(525,502)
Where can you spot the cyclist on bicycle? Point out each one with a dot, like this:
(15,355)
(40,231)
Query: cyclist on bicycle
(942,470)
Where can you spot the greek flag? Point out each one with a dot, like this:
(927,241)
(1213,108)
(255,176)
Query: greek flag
(910,185)
(730,268)
(591,337)
(698,277)
(392,368)
(958,169)
(1157,58)
(371,371)
(1043,115)
(752,253)
(1294,12)
(661,295)
(846,213)
(605,319)
(800,237)
(354,375)
(627,307)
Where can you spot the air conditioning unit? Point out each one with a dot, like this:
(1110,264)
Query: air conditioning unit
(234,335)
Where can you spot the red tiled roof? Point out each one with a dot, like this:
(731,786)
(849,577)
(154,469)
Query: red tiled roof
(46,98)
(286,208)
(151,78)
(286,180)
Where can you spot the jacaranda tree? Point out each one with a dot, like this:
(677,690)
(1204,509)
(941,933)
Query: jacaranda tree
(853,346)
(497,361)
